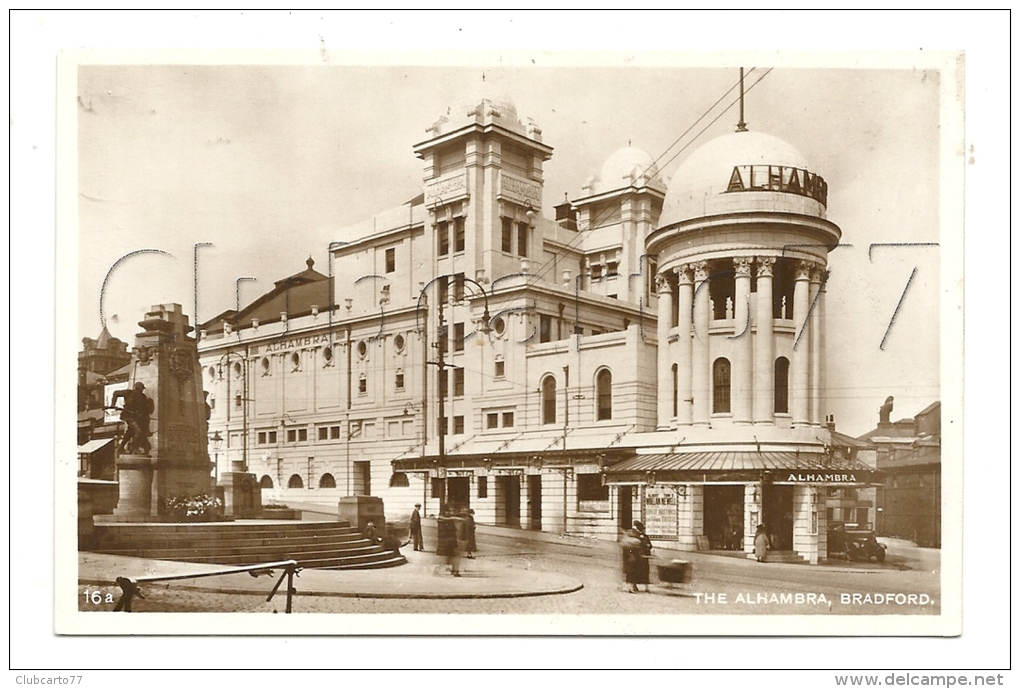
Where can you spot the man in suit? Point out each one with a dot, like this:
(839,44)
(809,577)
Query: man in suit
(416,529)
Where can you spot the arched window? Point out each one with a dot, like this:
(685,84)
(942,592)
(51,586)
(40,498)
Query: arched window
(327,481)
(721,386)
(266,482)
(676,391)
(549,399)
(604,395)
(782,385)
(295,482)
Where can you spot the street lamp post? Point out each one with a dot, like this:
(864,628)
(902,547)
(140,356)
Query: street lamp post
(243,363)
(442,366)
(217,443)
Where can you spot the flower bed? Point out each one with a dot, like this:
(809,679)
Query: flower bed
(196,508)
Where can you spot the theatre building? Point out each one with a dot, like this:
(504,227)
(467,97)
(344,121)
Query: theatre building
(651,353)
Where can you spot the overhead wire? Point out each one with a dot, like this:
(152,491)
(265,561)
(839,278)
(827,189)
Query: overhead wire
(597,223)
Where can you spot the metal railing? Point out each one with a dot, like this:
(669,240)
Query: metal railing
(131,586)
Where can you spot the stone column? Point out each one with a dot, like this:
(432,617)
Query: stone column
(815,327)
(742,370)
(800,366)
(685,299)
(665,361)
(764,358)
(700,380)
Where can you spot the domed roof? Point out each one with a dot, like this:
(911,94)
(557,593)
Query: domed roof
(479,93)
(700,184)
(627,167)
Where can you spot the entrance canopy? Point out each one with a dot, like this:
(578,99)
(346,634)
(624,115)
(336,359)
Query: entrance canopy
(716,466)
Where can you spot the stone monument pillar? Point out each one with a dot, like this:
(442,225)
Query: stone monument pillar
(176,463)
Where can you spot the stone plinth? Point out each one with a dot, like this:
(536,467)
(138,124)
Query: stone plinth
(242,495)
(134,476)
(359,510)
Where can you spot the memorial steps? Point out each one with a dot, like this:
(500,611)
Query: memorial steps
(314,545)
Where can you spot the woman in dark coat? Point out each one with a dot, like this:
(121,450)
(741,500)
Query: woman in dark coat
(637,552)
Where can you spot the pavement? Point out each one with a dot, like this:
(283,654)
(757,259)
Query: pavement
(426,575)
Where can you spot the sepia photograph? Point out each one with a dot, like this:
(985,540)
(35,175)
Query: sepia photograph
(520,347)
(530,342)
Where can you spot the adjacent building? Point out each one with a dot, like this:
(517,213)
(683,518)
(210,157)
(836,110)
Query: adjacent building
(653,352)
(908,453)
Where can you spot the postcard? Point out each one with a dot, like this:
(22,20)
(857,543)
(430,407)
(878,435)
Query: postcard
(557,343)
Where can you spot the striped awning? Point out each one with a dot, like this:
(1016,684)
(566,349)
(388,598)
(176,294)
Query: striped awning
(813,467)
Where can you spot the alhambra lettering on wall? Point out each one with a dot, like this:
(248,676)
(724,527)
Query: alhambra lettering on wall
(519,190)
(294,342)
(789,180)
(822,478)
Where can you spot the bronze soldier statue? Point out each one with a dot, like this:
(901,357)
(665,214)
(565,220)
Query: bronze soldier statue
(136,412)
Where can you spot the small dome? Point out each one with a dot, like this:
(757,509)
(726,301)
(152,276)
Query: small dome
(627,167)
(485,91)
(700,184)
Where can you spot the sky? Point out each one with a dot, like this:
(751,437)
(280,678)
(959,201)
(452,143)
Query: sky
(265,165)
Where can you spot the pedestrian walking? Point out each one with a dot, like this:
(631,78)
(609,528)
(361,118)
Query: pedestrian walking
(469,523)
(451,540)
(761,543)
(637,553)
(416,538)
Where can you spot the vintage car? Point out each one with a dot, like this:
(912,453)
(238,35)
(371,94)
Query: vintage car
(854,543)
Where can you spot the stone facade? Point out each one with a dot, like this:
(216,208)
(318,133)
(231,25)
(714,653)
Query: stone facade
(644,321)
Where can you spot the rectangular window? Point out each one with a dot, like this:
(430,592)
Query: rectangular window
(508,419)
(492,420)
(399,382)
(302,435)
(363,386)
(544,327)
(590,488)
(272,437)
(500,369)
(393,429)
(262,438)
(596,271)
(458,287)
(443,387)
(237,401)
(362,478)
(652,268)
(612,269)
(323,433)
(444,338)
(458,337)
(458,234)
(458,382)
(444,291)
(391,260)
(483,487)
(507,236)
(443,237)
(522,239)
(334,432)
(292,436)
(458,425)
